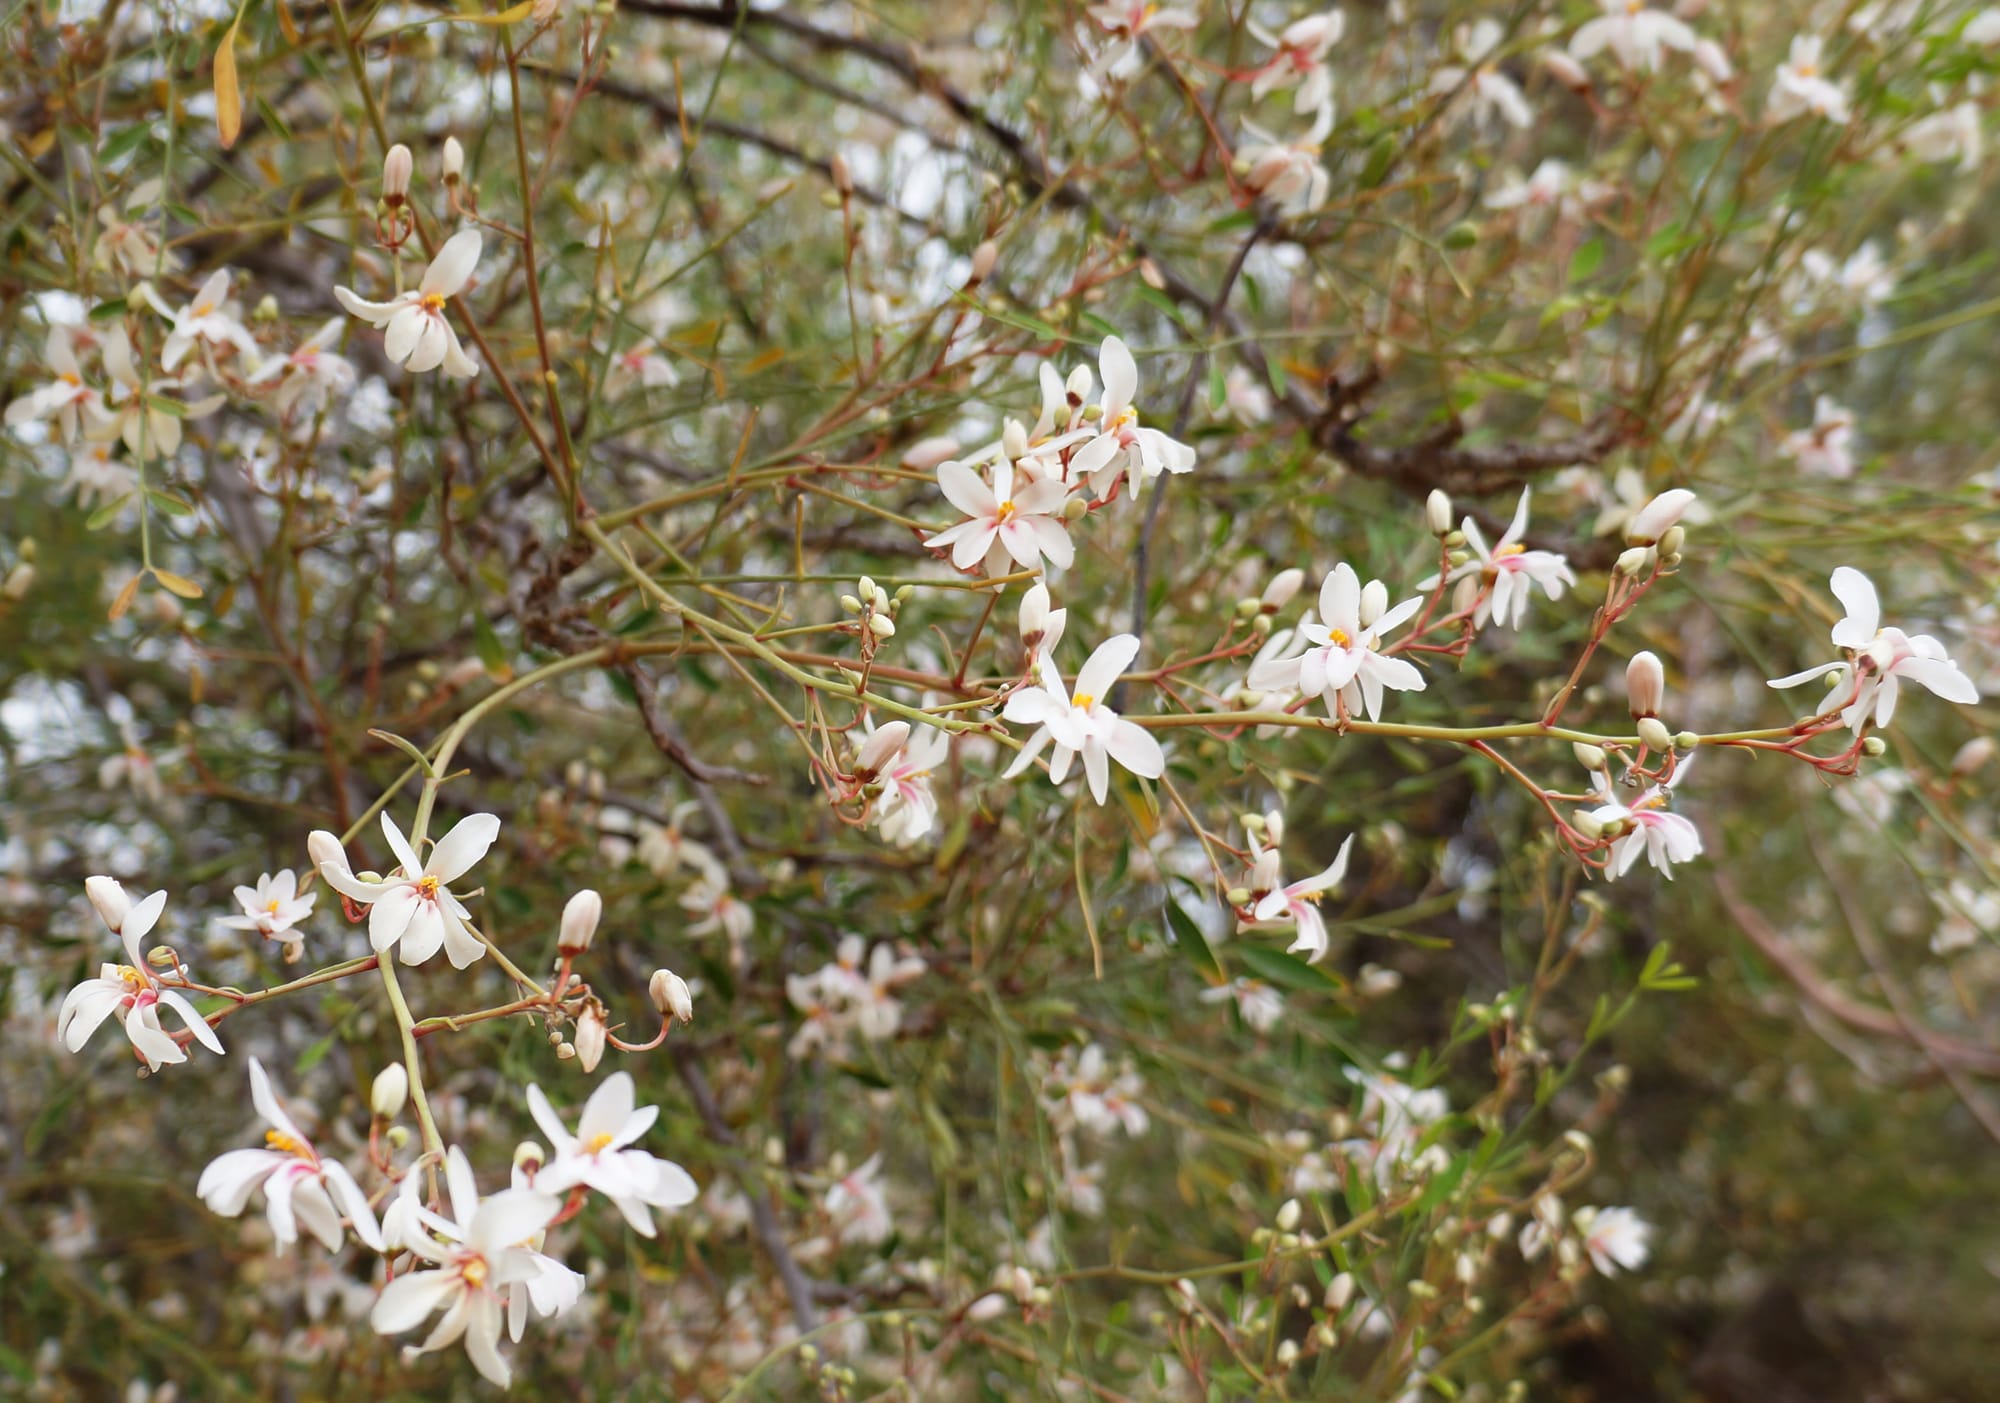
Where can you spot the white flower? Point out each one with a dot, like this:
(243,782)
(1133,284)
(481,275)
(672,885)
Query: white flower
(858,1206)
(1982,28)
(1552,186)
(59,397)
(127,244)
(1642,517)
(1614,1238)
(134,411)
(413,907)
(300,1188)
(129,990)
(1025,525)
(1490,92)
(477,1255)
(1120,443)
(1508,569)
(272,907)
(1798,86)
(1951,134)
(599,1156)
(1299,901)
(1300,60)
(1287,173)
(1886,657)
(97,474)
(1041,626)
(1343,666)
(418,336)
(1634,33)
(1128,22)
(1864,278)
(1646,826)
(906,810)
(206,320)
(1083,724)
(1825,449)
(642,366)
(1257,1003)
(1089,1095)
(308,375)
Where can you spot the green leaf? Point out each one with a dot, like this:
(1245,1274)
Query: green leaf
(1188,939)
(169,503)
(106,514)
(312,1056)
(109,311)
(1586,260)
(486,644)
(1287,971)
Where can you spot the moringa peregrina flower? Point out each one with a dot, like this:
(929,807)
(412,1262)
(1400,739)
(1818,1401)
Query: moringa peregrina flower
(1645,826)
(1025,524)
(1885,656)
(1299,901)
(1507,571)
(1343,664)
(413,907)
(300,1188)
(599,1156)
(129,991)
(1120,443)
(1634,33)
(417,335)
(1083,724)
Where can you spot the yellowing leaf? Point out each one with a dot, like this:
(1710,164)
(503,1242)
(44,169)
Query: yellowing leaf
(286,24)
(228,94)
(765,361)
(177,584)
(507,16)
(124,599)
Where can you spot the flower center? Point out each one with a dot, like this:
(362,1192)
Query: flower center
(272,908)
(1083,701)
(596,1143)
(434,304)
(427,888)
(203,309)
(474,1271)
(287,1144)
(1339,636)
(1808,70)
(1005,512)
(1511,548)
(132,978)
(71,380)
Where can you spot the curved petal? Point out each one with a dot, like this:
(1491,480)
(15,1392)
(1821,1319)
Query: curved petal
(1050,538)
(1793,679)
(351,1201)
(1340,600)
(85,1010)
(406,326)
(1864,610)
(608,1109)
(191,1016)
(230,1178)
(1518,527)
(1134,747)
(374,313)
(425,933)
(139,922)
(1096,768)
(545,1116)
(406,856)
(966,490)
(389,918)
(461,946)
(408,1301)
(465,845)
(1120,374)
(452,266)
(1940,676)
(1106,665)
(428,353)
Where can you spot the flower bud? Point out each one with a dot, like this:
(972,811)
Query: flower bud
(396,167)
(454,160)
(671,995)
(1077,387)
(1339,1292)
(1566,70)
(1374,603)
(1710,58)
(1587,824)
(1634,561)
(843,178)
(529,1157)
(398,1136)
(110,900)
(1874,745)
(1589,756)
(590,1035)
(1014,440)
(1284,587)
(1650,523)
(881,625)
(580,916)
(1972,755)
(983,259)
(1437,512)
(1671,543)
(928,453)
(1654,732)
(1288,1215)
(390,1091)
(1686,740)
(880,748)
(1075,509)
(1645,685)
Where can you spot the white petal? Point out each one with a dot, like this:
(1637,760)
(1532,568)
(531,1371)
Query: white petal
(1864,610)
(452,266)
(465,845)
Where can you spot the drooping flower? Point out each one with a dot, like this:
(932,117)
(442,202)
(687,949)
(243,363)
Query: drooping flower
(906,810)
(1647,826)
(599,1156)
(417,334)
(1799,86)
(65,390)
(1287,173)
(308,375)
(1024,525)
(301,1189)
(1509,569)
(1122,444)
(1041,626)
(1342,665)
(1083,724)
(476,1255)
(1299,901)
(130,991)
(413,907)
(1300,60)
(1886,657)
(272,908)
(1636,35)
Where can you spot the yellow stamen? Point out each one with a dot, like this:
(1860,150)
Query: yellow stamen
(272,908)
(596,1143)
(286,1145)
(1339,635)
(433,303)
(474,1272)
(1005,513)
(428,888)
(1083,701)
(1511,548)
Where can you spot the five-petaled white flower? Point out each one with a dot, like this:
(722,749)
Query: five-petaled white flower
(1300,59)
(1024,523)
(1886,657)
(129,990)
(413,907)
(477,1255)
(1488,92)
(1634,33)
(1342,665)
(1299,901)
(1827,448)
(418,336)
(1646,826)
(1083,724)
(1614,1238)
(1128,22)
(308,375)
(300,1188)
(858,1206)
(206,320)
(1287,173)
(65,391)
(1142,454)
(272,907)
(906,810)
(1799,87)
(1508,569)
(599,1156)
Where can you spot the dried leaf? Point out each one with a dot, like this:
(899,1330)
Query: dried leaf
(177,584)
(228,93)
(124,599)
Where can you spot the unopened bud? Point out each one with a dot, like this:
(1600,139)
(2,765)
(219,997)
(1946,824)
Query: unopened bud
(1075,508)
(1437,512)
(396,167)
(1284,587)
(1374,603)
(390,1091)
(1589,756)
(1650,524)
(1566,70)
(580,916)
(880,748)
(1874,745)
(1645,684)
(1013,439)
(1339,1292)
(529,1157)
(1671,543)
(1288,1215)
(1654,732)
(671,996)
(590,1035)
(454,160)
(881,625)
(1634,561)
(1587,824)
(398,1136)
(843,178)
(983,259)
(1237,896)
(1686,740)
